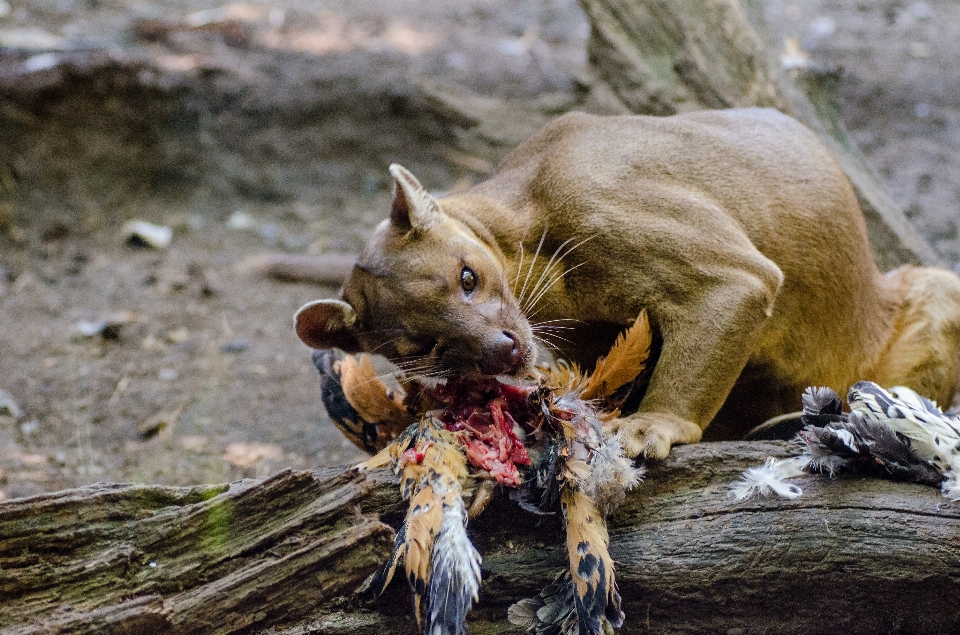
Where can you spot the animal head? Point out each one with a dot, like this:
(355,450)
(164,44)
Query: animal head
(428,293)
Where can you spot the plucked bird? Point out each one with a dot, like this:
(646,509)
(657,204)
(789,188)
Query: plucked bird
(542,441)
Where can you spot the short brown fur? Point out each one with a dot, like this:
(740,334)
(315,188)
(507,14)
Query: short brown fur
(736,230)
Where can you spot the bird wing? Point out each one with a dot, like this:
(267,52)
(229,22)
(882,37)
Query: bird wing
(370,397)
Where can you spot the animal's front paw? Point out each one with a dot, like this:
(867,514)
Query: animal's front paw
(652,433)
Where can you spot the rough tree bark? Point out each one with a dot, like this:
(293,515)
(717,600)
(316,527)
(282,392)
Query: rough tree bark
(662,57)
(289,555)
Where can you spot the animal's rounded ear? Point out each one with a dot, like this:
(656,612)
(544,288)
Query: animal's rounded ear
(327,324)
(413,207)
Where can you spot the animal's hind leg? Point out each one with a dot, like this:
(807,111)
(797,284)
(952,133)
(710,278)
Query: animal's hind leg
(924,351)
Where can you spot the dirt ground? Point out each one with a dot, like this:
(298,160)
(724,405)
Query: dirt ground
(268,127)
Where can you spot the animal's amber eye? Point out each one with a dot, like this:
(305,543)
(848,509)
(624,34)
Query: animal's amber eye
(468,280)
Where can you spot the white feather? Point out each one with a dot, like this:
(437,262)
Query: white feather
(847,437)
(770,478)
(455,579)
(951,486)
(612,475)
(933,435)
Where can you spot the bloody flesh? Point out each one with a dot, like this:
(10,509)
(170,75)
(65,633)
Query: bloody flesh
(492,419)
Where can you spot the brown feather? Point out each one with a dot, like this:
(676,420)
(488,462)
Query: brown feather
(446,455)
(564,378)
(370,397)
(591,566)
(422,527)
(626,360)
(385,456)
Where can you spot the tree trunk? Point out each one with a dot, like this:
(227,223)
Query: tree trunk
(661,57)
(289,555)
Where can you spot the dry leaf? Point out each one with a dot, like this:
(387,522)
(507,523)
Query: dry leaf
(247,455)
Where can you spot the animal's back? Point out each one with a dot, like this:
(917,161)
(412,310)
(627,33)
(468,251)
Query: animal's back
(756,168)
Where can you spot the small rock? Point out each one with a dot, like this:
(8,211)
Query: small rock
(276,17)
(512,46)
(109,328)
(30,40)
(241,220)
(178,336)
(270,234)
(920,10)
(9,407)
(143,234)
(90,329)
(41,62)
(233,12)
(919,50)
(823,26)
(30,427)
(167,374)
(5,9)
(234,346)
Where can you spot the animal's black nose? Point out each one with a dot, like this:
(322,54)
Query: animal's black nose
(503,355)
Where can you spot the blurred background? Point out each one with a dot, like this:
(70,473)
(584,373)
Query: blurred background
(160,353)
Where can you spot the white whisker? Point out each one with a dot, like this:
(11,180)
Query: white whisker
(547,288)
(553,336)
(551,329)
(548,280)
(558,320)
(549,267)
(533,261)
(516,278)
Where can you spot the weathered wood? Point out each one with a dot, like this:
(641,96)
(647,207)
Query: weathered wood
(289,554)
(214,559)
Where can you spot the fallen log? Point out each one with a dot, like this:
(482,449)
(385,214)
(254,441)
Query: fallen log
(212,559)
(289,555)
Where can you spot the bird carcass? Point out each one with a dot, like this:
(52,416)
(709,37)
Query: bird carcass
(541,440)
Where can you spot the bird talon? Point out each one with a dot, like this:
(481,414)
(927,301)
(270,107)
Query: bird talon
(481,498)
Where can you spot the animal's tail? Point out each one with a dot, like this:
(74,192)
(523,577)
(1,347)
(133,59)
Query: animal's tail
(924,351)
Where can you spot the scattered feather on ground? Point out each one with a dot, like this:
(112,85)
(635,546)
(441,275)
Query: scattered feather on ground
(898,435)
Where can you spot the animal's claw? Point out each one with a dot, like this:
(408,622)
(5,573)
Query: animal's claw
(651,434)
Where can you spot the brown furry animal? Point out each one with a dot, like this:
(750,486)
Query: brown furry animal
(735,229)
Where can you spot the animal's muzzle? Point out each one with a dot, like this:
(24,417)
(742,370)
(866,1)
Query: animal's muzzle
(504,355)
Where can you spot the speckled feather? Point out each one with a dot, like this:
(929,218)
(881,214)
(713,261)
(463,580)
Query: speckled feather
(591,567)
(442,566)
